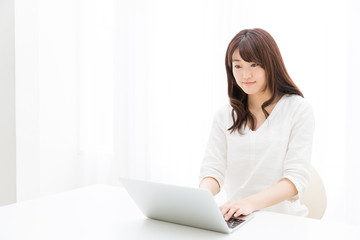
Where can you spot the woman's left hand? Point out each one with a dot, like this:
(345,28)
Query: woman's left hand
(235,208)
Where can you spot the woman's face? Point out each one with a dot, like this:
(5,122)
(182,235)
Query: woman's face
(248,75)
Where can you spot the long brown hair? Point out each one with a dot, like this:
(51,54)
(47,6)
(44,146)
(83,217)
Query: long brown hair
(256,45)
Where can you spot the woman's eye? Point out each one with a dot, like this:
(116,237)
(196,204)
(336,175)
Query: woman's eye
(237,66)
(255,65)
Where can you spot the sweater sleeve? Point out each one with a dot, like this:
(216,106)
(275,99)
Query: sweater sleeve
(298,155)
(214,161)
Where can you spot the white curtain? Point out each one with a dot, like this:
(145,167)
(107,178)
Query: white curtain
(64,94)
(128,88)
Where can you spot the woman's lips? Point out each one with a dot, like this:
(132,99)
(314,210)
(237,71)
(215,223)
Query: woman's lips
(248,83)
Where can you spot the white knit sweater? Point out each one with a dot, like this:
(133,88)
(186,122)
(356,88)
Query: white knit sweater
(279,148)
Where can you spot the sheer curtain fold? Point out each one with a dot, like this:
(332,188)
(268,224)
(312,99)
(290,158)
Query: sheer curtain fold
(64,94)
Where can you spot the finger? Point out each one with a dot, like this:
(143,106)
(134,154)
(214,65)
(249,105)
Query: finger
(230,213)
(238,212)
(246,212)
(224,210)
(242,212)
(225,207)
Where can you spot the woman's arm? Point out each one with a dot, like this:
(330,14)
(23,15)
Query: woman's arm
(281,191)
(210,184)
(213,167)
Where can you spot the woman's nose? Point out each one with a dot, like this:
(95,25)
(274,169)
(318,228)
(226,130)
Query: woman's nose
(246,74)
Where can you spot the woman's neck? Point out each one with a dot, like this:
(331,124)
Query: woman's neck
(255,101)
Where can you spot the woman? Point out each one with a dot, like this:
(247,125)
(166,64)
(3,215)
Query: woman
(260,144)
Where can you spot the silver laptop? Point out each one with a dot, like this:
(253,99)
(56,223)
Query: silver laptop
(183,205)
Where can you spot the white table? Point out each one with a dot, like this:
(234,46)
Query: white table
(107,212)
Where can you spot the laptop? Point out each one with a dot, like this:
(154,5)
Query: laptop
(193,207)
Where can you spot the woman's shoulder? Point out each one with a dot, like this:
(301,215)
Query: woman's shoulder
(294,101)
(223,114)
(296,104)
(223,111)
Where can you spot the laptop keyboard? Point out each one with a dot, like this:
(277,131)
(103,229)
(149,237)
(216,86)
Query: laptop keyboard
(234,222)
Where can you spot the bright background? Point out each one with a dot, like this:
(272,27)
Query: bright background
(128,88)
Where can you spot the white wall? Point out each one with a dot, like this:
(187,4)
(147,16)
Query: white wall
(27,100)
(352,128)
(7,104)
